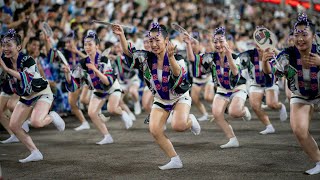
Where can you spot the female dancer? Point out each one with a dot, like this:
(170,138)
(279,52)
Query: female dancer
(231,86)
(128,79)
(35,93)
(8,101)
(73,55)
(164,74)
(260,84)
(300,65)
(98,74)
(147,97)
(200,79)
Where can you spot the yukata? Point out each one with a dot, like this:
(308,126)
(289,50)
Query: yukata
(199,77)
(32,87)
(126,76)
(251,69)
(303,83)
(228,85)
(81,75)
(168,89)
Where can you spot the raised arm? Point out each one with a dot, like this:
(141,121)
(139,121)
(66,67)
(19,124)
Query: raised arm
(72,83)
(190,55)
(118,30)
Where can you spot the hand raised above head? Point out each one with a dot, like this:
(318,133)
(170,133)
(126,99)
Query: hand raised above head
(117,29)
(65,68)
(186,38)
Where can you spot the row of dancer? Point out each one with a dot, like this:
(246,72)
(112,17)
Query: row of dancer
(165,75)
(228,73)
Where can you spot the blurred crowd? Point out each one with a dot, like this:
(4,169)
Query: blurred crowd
(64,16)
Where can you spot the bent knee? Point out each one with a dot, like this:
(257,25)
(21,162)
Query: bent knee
(156,132)
(217,113)
(92,114)
(112,110)
(14,127)
(36,124)
(273,105)
(235,113)
(256,107)
(300,133)
(178,127)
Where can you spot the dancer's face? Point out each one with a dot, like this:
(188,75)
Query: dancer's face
(195,46)
(157,43)
(69,43)
(118,49)
(303,37)
(90,46)
(34,47)
(219,42)
(10,47)
(146,44)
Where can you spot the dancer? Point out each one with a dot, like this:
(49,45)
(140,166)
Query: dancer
(200,79)
(73,55)
(98,74)
(164,73)
(300,65)
(8,101)
(147,97)
(128,79)
(261,84)
(231,86)
(35,93)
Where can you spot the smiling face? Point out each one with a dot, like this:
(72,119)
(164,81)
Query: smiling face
(157,42)
(303,37)
(90,46)
(219,41)
(146,44)
(69,43)
(195,46)
(117,49)
(10,47)
(34,47)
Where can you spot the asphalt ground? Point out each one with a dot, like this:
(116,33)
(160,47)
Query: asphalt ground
(134,155)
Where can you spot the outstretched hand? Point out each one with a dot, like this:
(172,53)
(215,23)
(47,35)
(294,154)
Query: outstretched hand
(186,38)
(117,29)
(65,68)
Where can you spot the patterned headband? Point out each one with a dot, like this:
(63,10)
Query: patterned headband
(196,35)
(91,34)
(301,18)
(219,30)
(10,34)
(258,27)
(154,26)
(71,35)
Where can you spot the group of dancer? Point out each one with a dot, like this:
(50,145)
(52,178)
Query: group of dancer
(168,91)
